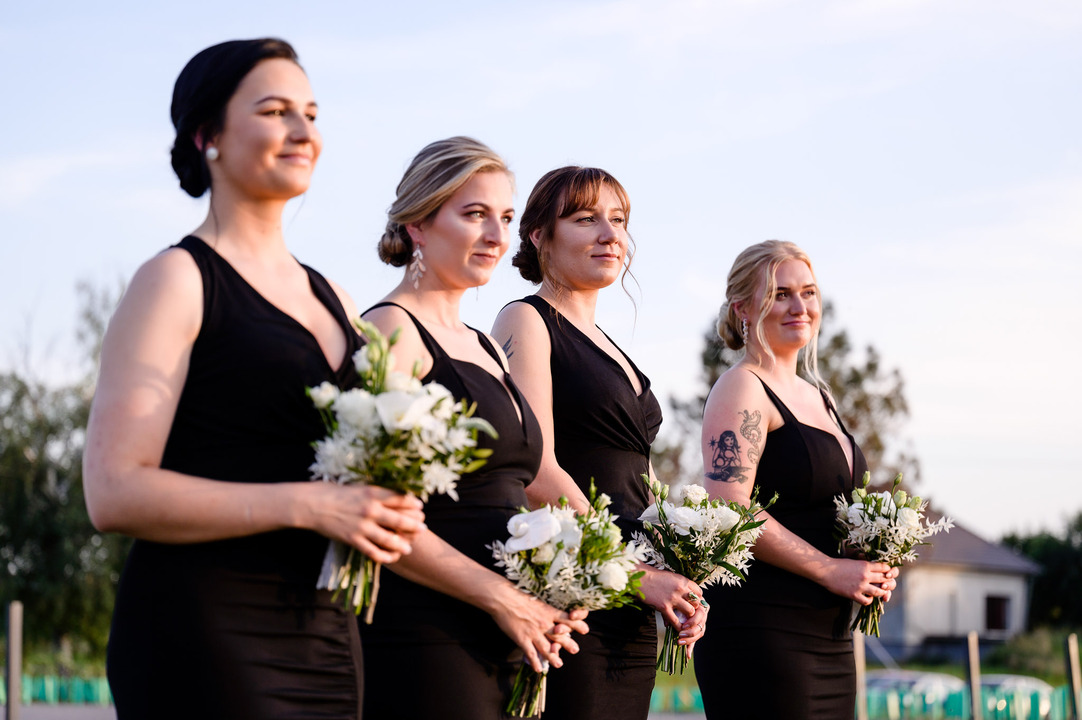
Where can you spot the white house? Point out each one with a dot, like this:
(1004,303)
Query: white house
(960,583)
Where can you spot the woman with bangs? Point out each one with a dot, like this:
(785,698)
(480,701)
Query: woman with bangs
(782,639)
(598,417)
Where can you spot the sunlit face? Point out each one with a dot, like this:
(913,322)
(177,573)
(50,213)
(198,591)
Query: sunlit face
(464,242)
(588,247)
(269,144)
(793,319)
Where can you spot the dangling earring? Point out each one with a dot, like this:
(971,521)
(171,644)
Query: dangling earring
(212,153)
(744,330)
(417,267)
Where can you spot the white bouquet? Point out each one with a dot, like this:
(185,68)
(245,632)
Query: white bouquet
(883,527)
(571,562)
(707,541)
(392,432)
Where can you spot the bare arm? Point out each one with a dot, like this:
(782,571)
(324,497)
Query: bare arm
(522,334)
(145,359)
(736,420)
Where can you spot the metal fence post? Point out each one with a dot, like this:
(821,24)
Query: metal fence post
(14,659)
(1074,677)
(973,675)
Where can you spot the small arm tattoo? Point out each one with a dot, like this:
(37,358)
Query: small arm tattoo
(728,462)
(749,430)
(507,347)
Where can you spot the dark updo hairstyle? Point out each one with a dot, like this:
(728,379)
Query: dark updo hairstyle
(436,173)
(200,95)
(559,194)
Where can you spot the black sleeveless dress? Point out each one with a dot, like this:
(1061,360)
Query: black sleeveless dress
(602,431)
(779,645)
(430,655)
(235,628)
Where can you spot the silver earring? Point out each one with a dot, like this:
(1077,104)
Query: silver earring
(744,330)
(417,267)
(212,153)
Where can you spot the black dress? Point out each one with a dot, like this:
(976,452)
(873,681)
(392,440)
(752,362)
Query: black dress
(603,432)
(236,628)
(779,645)
(429,655)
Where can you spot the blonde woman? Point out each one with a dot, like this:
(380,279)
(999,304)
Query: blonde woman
(450,629)
(779,645)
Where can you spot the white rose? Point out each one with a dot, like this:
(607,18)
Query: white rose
(725,518)
(323,395)
(361,361)
(908,518)
(401,382)
(532,529)
(650,515)
(570,533)
(695,494)
(603,501)
(356,408)
(544,553)
(612,576)
(684,520)
(399,410)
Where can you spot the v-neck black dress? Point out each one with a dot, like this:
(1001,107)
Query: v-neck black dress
(427,654)
(779,645)
(602,431)
(236,629)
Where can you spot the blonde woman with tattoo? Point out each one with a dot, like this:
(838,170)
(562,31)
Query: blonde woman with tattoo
(783,637)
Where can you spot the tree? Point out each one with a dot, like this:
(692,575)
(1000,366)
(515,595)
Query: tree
(51,557)
(870,399)
(1057,591)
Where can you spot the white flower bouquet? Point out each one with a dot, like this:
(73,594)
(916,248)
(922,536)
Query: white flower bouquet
(707,541)
(571,562)
(392,432)
(883,527)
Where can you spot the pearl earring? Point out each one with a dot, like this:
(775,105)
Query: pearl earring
(212,153)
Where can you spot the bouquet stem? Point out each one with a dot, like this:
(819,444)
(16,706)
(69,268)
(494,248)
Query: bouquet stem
(528,692)
(867,619)
(360,584)
(673,657)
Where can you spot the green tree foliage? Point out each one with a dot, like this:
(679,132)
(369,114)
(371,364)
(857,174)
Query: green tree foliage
(1057,591)
(870,399)
(51,557)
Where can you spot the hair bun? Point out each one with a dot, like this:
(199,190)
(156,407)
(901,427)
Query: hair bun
(393,248)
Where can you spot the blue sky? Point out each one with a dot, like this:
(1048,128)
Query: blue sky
(926,153)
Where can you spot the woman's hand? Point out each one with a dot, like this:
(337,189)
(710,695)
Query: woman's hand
(539,629)
(859,580)
(379,522)
(678,599)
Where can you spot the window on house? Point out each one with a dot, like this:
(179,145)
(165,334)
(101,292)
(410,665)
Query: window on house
(996,612)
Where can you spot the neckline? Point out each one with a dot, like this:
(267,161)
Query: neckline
(851,465)
(644,382)
(347,329)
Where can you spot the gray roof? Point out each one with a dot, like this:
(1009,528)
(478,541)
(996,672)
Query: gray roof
(960,547)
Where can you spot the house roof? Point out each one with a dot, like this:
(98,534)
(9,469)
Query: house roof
(963,547)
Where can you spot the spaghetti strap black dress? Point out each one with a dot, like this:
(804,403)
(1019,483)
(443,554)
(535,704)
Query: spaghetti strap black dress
(779,645)
(602,431)
(235,629)
(429,655)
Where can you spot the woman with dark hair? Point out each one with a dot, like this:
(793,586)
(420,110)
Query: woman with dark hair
(598,417)
(780,645)
(200,433)
(450,629)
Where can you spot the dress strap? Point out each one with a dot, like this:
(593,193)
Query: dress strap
(833,411)
(431,345)
(786,414)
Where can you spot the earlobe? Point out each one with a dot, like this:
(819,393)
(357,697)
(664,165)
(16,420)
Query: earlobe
(416,234)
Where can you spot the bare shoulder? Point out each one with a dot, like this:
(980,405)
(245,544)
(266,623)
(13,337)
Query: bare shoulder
(410,347)
(737,386)
(167,288)
(520,329)
(343,297)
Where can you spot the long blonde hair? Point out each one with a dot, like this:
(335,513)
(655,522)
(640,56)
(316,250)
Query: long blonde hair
(753,268)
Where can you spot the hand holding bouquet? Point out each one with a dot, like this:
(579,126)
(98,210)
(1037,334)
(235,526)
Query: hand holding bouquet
(707,541)
(391,432)
(883,527)
(571,562)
